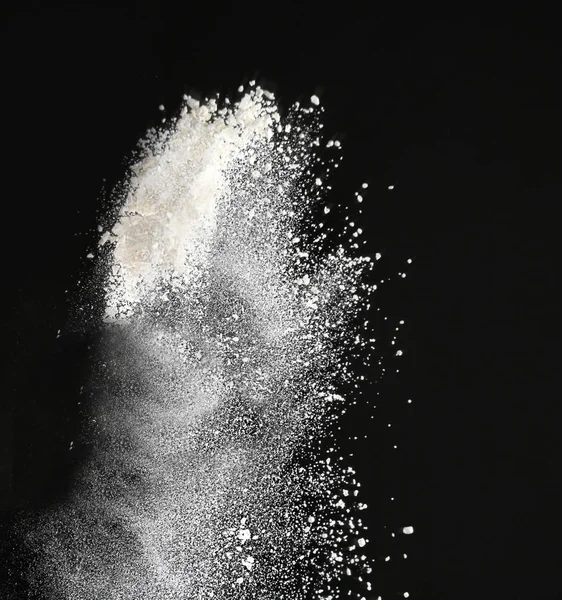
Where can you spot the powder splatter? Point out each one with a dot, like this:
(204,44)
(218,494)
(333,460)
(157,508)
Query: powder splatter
(231,323)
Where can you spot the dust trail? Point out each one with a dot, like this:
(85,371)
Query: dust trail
(231,321)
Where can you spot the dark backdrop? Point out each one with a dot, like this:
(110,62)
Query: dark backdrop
(461,113)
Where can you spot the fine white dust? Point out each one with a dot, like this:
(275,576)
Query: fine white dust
(231,316)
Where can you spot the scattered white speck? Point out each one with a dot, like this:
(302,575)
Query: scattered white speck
(315,100)
(244,535)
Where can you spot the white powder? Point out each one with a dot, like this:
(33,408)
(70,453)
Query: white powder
(228,325)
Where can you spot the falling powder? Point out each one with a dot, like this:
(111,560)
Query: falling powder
(229,325)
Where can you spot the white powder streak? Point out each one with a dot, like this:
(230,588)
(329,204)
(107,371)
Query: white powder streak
(227,334)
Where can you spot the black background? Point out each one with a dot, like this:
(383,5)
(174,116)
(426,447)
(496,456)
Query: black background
(461,112)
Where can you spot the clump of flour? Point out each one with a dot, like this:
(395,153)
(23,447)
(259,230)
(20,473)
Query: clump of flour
(230,325)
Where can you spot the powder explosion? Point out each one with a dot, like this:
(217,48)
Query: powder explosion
(233,315)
